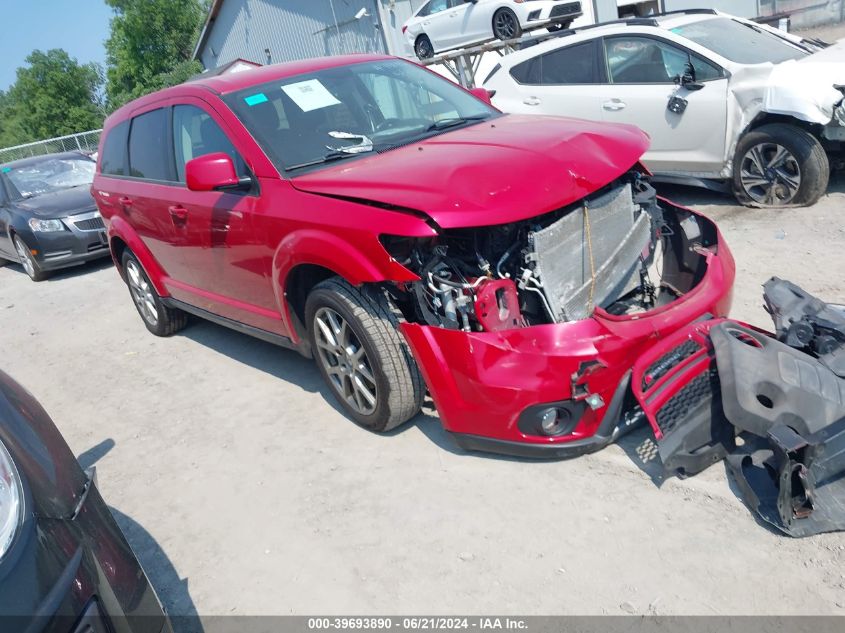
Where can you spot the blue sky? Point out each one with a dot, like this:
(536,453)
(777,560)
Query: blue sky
(78,26)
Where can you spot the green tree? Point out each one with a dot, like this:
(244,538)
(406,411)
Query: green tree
(53,95)
(151,46)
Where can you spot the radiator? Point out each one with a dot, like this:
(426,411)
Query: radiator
(619,232)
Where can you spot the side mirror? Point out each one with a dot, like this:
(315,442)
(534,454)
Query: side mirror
(210,172)
(687,80)
(485,95)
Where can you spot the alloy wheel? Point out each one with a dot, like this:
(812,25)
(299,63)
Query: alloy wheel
(142,293)
(505,25)
(345,361)
(770,174)
(25,257)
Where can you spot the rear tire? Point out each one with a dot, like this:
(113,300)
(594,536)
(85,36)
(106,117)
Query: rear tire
(361,354)
(506,25)
(30,266)
(780,165)
(157,317)
(423,47)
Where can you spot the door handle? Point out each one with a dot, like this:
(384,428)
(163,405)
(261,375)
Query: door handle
(614,105)
(124,201)
(178,214)
(532,101)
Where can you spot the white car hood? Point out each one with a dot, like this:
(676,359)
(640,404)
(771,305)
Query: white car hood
(805,88)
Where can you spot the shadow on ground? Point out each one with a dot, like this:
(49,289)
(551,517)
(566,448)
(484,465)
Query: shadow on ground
(68,273)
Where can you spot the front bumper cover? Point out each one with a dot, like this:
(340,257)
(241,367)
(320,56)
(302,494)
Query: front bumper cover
(482,381)
(783,393)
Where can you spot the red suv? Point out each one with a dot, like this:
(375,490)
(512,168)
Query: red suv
(409,236)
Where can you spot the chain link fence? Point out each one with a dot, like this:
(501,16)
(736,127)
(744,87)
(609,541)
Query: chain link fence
(85,142)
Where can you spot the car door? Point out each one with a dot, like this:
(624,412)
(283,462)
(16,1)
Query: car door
(464,24)
(562,82)
(437,24)
(222,267)
(642,73)
(143,194)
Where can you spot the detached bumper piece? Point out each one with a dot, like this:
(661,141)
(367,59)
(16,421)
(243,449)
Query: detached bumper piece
(785,394)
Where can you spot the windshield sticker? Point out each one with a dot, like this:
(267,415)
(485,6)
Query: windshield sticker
(6,170)
(310,95)
(255,99)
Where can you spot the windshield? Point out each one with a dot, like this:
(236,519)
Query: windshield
(51,174)
(740,42)
(351,111)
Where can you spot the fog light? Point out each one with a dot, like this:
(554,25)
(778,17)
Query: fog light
(554,421)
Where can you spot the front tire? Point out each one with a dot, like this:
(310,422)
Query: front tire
(361,354)
(506,25)
(157,317)
(780,165)
(27,261)
(423,47)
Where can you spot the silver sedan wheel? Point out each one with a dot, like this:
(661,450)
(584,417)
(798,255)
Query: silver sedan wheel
(142,293)
(345,361)
(770,174)
(25,257)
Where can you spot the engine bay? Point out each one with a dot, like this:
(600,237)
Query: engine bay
(621,250)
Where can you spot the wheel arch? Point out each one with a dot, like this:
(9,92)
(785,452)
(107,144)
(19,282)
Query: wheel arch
(121,237)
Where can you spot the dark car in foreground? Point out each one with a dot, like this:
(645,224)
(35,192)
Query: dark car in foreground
(65,566)
(48,219)
(406,234)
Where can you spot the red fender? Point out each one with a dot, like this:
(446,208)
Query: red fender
(321,248)
(121,229)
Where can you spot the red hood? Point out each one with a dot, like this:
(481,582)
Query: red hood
(509,169)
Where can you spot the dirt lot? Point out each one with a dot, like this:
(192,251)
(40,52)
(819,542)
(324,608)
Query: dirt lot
(244,490)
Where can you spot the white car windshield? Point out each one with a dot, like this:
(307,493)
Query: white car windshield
(352,110)
(51,174)
(740,42)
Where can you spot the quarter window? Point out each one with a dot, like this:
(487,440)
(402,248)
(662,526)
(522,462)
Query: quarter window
(148,154)
(195,134)
(577,64)
(113,162)
(643,60)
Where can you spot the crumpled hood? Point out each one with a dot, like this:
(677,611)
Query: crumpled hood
(504,170)
(805,88)
(59,204)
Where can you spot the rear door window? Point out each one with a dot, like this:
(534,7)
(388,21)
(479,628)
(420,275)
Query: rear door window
(196,134)
(573,65)
(113,162)
(149,157)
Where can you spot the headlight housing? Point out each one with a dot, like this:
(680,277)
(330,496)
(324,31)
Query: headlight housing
(11,500)
(46,226)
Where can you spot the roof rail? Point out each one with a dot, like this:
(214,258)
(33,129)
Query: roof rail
(649,21)
(688,12)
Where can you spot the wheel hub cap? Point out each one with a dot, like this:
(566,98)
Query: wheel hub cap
(345,361)
(24,256)
(770,174)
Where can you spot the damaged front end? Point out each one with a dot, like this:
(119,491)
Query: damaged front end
(784,394)
(526,332)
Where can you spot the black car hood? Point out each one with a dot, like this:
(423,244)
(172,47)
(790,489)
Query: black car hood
(39,451)
(58,204)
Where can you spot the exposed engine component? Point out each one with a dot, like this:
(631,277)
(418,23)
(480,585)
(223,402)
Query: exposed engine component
(616,250)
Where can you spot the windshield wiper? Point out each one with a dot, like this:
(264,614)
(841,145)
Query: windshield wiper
(365,145)
(442,124)
(331,156)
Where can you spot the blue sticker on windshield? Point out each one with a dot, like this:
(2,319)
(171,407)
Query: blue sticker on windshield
(255,99)
(6,170)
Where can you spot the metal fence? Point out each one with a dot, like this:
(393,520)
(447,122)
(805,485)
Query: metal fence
(81,142)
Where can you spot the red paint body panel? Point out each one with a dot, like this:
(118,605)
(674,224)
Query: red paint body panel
(481,382)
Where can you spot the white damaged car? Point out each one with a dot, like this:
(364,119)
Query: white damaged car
(728,103)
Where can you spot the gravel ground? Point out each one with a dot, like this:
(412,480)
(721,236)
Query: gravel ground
(244,490)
